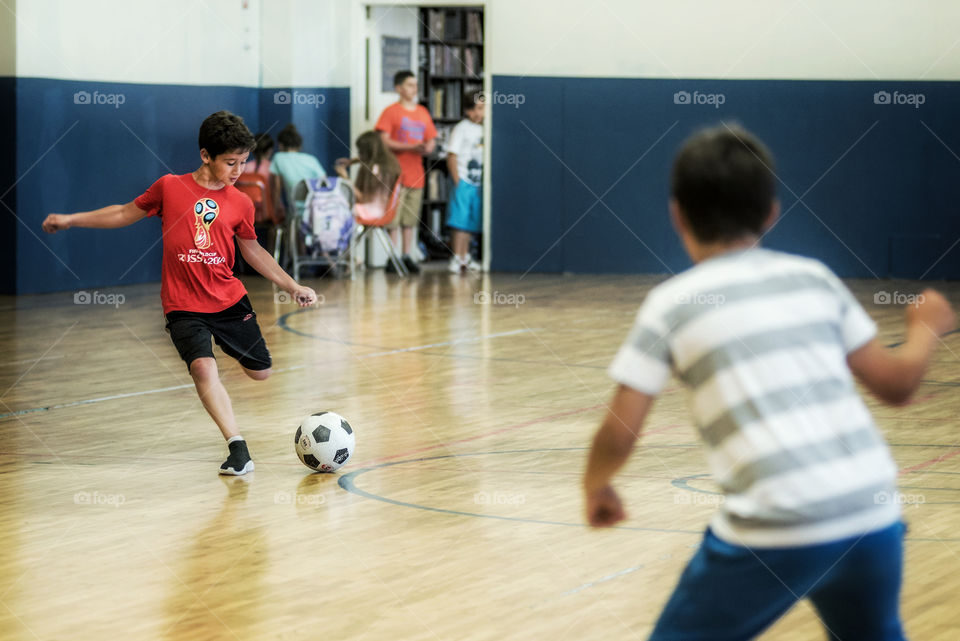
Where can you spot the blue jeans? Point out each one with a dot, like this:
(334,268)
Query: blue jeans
(733,593)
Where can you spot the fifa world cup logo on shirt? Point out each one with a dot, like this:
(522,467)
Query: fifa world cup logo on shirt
(207,211)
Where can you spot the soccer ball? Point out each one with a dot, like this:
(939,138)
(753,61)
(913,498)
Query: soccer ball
(324,441)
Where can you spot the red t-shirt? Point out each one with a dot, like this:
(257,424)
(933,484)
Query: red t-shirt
(198,226)
(404,125)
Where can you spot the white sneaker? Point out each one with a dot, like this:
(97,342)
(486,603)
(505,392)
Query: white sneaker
(455,266)
(474,266)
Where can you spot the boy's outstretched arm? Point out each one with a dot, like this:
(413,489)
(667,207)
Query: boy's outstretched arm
(893,375)
(611,447)
(109,217)
(261,260)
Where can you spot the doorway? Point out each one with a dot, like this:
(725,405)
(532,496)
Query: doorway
(444,44)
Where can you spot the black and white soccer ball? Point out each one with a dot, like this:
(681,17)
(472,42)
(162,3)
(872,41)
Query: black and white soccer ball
(324,441)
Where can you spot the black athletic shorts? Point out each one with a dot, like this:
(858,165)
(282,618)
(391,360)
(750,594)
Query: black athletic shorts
(235,330)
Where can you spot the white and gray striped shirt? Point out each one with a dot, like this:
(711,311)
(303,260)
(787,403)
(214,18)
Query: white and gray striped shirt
(761,338)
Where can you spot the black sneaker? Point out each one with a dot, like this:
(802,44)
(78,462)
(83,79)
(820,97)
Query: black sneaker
(390,269)
(411,265)
(238,463)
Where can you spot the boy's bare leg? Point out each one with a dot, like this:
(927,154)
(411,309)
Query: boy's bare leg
(214,395)
(461,243)
(257,374)
(407,240)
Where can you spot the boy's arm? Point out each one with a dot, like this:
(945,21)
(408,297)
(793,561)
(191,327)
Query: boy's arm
(611,448)
(261,260)
(893,375)
(396,145)
(109,217)
(452,167)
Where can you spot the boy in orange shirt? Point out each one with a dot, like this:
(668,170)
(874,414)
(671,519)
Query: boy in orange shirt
(408,131)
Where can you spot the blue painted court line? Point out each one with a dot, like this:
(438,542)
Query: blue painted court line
(348,483)
(385,351)
(602,579)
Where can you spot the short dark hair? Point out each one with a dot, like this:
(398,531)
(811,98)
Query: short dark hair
(723,181)
(264,145)
(290,138)
(223,132)
(470,100)
(401,76)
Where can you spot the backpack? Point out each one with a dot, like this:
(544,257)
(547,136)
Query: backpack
(327,216)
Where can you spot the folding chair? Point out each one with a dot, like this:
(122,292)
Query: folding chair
(296,247)
(257,188)
(371,221)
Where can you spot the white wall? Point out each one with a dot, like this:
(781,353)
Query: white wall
(306,43)
(213,42)
(812,39)
(312,43)
(397,21)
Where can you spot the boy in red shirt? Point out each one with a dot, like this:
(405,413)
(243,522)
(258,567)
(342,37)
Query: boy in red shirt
(201,213)
(408,131)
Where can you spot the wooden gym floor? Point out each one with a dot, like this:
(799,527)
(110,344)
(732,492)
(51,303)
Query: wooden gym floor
(459,516)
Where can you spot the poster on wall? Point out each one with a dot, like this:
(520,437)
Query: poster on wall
(396,57)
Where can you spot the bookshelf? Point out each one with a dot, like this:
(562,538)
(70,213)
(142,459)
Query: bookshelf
(450,54)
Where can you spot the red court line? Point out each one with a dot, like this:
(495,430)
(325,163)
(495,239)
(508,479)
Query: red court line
(661,429)
(933,461)
(542,419)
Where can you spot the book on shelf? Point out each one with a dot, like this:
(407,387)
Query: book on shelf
(453,26)
(454,101)
(474,27)
(446,100)
(436,103)
(435,24)
(437,185)
(445,60)
(422,84)
(471,61)
(453,61)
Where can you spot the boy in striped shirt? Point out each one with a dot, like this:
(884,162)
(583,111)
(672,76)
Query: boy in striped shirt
(768,343)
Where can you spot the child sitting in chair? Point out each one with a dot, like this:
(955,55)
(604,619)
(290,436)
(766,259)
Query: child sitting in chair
(377,176)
